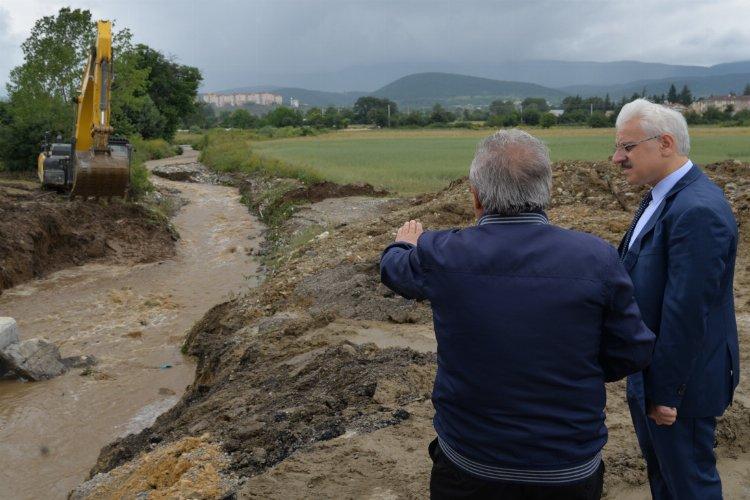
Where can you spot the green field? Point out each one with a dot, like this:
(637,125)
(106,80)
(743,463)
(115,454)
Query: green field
(411,162)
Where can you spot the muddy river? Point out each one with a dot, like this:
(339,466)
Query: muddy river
(133,320)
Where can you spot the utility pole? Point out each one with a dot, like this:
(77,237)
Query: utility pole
(389,116)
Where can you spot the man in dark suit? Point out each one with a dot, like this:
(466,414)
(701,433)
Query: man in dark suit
(680,251)
(531,320)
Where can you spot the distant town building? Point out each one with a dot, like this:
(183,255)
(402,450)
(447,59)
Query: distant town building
(738,102)
(239,99)
(557,112)
(294,103)
(681,108)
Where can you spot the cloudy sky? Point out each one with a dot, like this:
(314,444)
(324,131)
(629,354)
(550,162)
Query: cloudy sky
(244,43)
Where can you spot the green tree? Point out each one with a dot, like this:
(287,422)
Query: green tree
(171,86)
(538,103)
(672,94)
(531,116)
(501,108)
(713,115)
(132,109)
(53,54)
(314,117)
(283,117)
(414,119)
(332,118)
(747,90)
(440,115)
(685,97)
(242,118)
(40,90)
(598,120)
(547,120)
(368,109)
(204,117)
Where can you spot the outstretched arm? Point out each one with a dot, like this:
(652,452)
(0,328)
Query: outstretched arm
(400,269)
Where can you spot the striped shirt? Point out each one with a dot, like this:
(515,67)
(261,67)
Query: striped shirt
(513,475)
(522,218)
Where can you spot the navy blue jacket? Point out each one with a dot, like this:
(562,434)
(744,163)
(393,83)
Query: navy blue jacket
(682,267)
(530,320)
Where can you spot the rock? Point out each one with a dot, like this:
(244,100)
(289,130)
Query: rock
(279,321)
(33,359)
(185,172)
(8,332)
(80,361)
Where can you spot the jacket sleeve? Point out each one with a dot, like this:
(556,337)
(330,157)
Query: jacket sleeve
(401,271)
(627,343)
(699,245)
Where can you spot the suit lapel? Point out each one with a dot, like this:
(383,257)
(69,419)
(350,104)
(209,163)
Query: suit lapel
(632,256)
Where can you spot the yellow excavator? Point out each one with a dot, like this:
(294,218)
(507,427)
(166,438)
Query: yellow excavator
(94,164)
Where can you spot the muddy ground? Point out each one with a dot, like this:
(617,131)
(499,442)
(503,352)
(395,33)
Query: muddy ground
(42,232)
(318,382)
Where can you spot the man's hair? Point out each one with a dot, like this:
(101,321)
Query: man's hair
(656,119)
(511,173)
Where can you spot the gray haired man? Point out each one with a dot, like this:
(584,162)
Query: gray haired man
(531,320)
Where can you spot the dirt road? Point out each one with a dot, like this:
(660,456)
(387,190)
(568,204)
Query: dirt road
(132,318)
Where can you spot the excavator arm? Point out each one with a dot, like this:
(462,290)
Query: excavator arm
(102,166)
(99,165)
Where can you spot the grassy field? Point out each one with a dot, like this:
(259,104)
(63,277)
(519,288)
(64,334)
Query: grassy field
(411,162)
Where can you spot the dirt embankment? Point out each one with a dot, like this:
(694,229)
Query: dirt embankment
(318,382)
(42,232)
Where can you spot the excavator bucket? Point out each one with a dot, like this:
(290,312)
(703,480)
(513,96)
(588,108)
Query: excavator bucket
(102,175)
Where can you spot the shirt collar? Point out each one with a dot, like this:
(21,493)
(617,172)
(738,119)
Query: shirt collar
(522,218)
(666,184)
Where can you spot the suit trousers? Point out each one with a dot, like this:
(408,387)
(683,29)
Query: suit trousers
(680,459)
(448,482)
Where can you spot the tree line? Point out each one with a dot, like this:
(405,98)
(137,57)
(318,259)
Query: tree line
(532,111)
(152,95)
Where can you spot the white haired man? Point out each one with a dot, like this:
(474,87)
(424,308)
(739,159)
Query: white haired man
(679,251)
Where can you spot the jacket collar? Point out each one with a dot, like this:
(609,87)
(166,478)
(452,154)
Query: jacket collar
(537,217)
(691,176)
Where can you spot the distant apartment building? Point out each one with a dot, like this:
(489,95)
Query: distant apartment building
(239,99)
(294,103)
(738,102)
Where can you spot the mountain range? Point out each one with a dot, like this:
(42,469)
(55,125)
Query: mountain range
(471,84)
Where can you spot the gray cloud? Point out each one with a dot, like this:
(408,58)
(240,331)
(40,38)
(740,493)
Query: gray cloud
(238,43)
(9,47)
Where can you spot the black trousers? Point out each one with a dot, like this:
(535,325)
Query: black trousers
(448,482)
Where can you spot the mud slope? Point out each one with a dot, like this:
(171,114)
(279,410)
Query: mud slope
(42,232)
(319,381)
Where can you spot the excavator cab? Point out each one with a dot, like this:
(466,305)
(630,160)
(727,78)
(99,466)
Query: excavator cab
(94,164)
(54,164)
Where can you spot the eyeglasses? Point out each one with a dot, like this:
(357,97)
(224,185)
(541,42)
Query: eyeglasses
(628,147)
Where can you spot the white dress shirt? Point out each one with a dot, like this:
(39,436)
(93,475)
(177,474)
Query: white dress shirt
(658,193)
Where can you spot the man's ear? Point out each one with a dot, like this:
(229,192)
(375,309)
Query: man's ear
(475,198)
(668,145)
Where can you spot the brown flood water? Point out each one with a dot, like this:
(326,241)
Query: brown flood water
(133,319)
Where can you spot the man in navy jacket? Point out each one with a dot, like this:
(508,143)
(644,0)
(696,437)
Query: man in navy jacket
(531,320)
(680,252)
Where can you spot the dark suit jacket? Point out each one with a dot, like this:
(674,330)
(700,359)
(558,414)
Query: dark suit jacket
(682,267)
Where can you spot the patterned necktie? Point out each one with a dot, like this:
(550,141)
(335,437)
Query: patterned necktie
(641,208)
